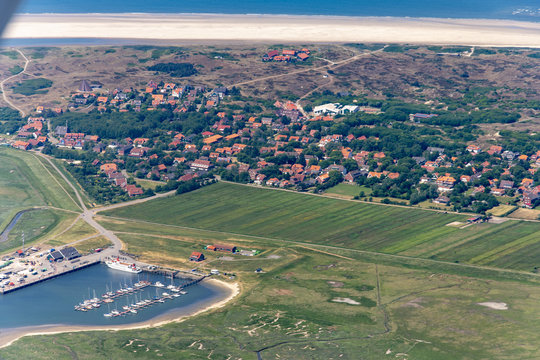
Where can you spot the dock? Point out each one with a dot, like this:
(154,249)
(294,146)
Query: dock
(60,272)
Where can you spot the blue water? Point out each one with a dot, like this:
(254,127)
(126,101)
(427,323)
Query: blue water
(488,9)
(51,302)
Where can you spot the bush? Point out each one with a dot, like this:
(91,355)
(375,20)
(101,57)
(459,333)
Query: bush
(32,86)
(174,69)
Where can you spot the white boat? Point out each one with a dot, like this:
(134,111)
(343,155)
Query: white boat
(118,265)
(159,284)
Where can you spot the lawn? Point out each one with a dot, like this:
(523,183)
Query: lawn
(348,191)
(271,214)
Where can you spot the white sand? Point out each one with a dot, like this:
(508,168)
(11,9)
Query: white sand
(276,28)
(494,305)
(232,290)
(346,301)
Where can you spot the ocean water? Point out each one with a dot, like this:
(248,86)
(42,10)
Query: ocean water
(52,302)
(524,10)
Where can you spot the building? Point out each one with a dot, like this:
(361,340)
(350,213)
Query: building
(196,256)
(200,165)
(220,247)
(70,253)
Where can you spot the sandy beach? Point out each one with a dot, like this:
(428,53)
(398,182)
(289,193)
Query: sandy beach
(283,28)
(230,291)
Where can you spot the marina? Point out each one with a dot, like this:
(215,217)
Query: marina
(53,303)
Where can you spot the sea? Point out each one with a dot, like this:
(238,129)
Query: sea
(51,303)
(522,10)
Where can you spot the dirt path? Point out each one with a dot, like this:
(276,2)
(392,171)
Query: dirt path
(27,61)
(332,65)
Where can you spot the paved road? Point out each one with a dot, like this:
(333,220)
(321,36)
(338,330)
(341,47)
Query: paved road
(27,61)
(87,215)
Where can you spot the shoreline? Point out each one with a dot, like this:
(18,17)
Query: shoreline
(289,28)
(231,291)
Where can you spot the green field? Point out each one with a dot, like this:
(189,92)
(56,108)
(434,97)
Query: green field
(290,312)
(25,183)
(237,209)
(348,190)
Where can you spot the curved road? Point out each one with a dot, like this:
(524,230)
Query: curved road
(27,61)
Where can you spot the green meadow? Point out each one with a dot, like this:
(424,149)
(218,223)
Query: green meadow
(281,215)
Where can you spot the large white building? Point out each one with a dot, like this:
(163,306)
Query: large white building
(334,109)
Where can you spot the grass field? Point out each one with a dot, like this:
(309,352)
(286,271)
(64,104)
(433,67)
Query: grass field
(236,209)
(502,210)
(290,312)
(26,182)
(148,184)
(348,191)
(35,225)
(531,214)
(85,246)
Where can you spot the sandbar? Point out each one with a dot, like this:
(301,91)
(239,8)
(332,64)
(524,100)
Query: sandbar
(283,28)
(230,291)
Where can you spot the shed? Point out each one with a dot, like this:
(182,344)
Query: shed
(227,248)
(70,253)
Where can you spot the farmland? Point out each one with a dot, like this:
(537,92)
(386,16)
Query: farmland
(236,209)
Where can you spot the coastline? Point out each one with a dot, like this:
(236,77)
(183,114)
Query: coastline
(231,291)
(284,28)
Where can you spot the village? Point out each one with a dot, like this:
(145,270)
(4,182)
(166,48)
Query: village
(304,149)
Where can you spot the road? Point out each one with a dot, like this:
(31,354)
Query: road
(87,215)
(332,65)
(27,61)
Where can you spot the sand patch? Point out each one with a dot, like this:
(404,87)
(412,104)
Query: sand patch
(456,224)
(335,284)
(494,305)
(346,301)
(415,303)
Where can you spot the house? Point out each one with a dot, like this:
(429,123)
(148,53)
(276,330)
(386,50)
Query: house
(418,117)
(497,192)
(200,165)
(21,145)
(259,179)
(530,199)
(445,183)
(133,190)
(506,184)
(196,256)
(352,176)
(108,167)
(442,200)
(473,149)
(137,152)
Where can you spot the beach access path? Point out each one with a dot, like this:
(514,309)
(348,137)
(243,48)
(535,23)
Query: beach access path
(4,96)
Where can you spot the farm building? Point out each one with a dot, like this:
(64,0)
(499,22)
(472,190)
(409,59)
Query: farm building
(218,247)
(196,256)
